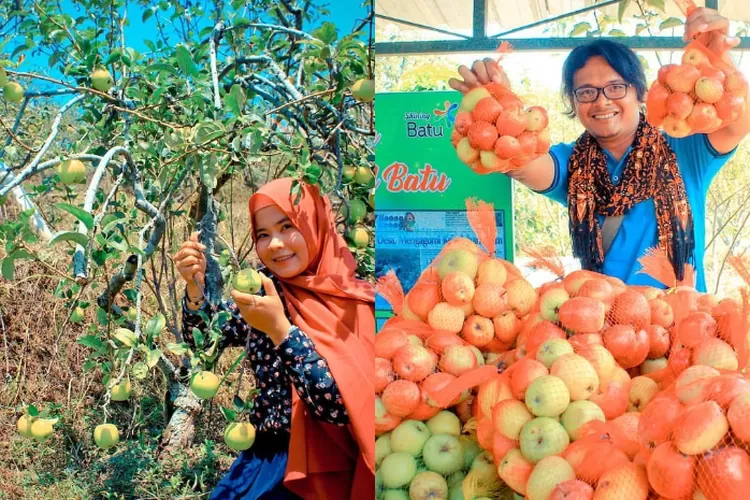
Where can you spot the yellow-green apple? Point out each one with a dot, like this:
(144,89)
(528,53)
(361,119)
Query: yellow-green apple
(106,436)
(457,360)
(578,374)
(466,153)
(600,358)
(550,302)
(545,477)
(547,396)
(428,485)
(577,415)
(384,421)
(509,417)
(541,438)
(709,90)
(13,92)
(653,365)
(514,469)
(445,422)
(702,427)
(536,119)
(642,390)
(471,450)
(382,448)
(472,97)
(363,90)
(691,384)
(717,354)
(101,80)
(443,453)
(398,469)
(736,84)
(492,271)
(42,428)
(695,57)
(524,372)
(458,259)
(483,470)
(409,436)
(24,424)
(739,416)
(551,350)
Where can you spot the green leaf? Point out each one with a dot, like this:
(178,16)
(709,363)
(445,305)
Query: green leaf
(621,9)
(659,4)
(671,22)
(155,325)
(160,67)
(147,15)
(229,414)
(238,403)
(9,268)
(326,33)
(198,337)
(580,28)
(640,28)
(178,349)
(33,411)
(153,357)
(617,32)
(236,99)
(91,341)
(140,370)
(78,213)
(185,61)
(73,236)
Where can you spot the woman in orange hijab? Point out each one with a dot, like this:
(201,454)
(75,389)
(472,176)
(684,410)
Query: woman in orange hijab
(310,341)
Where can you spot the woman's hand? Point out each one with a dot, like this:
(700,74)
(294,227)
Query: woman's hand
(711,29)
(481,73)
(264,313)
(190,261)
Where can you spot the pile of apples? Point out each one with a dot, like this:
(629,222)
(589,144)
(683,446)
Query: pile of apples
(695,96)
(609,391)
(494,133)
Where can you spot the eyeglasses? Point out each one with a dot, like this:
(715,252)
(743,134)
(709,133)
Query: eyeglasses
(612,91)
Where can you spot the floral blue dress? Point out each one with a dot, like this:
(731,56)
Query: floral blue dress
(258,473)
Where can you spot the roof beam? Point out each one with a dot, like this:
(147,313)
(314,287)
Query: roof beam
(487,45)
(480,19)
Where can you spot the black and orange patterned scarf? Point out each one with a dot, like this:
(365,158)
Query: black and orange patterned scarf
(651,171)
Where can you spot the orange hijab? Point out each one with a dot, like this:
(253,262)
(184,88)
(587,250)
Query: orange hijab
(336,310)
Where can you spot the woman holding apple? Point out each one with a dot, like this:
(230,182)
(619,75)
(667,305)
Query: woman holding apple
(627,186)
(310,342)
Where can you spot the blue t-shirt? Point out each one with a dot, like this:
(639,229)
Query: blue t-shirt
(698,161)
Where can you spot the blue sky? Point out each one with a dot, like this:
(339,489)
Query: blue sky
(343,13)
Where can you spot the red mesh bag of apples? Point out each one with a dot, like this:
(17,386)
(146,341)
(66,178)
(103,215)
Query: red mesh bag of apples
(700,95)
(495,131)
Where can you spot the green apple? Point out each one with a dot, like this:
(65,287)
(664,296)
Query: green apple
(642,390)
(205,384)
(41,428)
(445,422)
(443,453)
(357,211)
(247,281)
(359,236)
(458,259)
(395,495)
(547,396)
(471,450)
(409,436)
(364,176)
(77,315)
(547,474)
(550,302)
(131,314)
(483,469)
(471,99)
(24,425)
(363,90)
(239,436)
(398,469)
(578,374)
(427,486)
(106,436)
(121,391)
(101,80)
(347,173)
(71,172)
(541,438)
(382,448)
(578,414)
(551,350)
(13,92)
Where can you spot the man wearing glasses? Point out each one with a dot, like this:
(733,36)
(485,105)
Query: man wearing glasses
(628,187)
